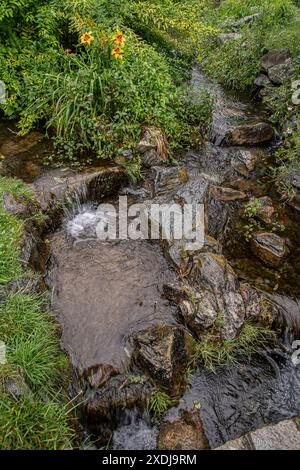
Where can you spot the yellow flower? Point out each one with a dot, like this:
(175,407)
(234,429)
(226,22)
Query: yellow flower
(87,38)
(119,39)
(118,53)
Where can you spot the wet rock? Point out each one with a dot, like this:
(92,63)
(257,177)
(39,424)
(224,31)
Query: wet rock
(285,312)
(17,145)
(218,215)
(199,309)
(281,73)
(186,433)
(199,313)
(153,147)
(161,352)
(168,179)
(102,407)
(274,58)
(227,194)
(269,247)
(62,187)
(262,81)
(20,206)
(252,301)
(180,252)
(233,311)
(193,191)
(245,161)
(250,134)
(265,211)
(213,271)
(98,375)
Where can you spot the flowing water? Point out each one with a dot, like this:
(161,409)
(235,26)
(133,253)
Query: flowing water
(103,292)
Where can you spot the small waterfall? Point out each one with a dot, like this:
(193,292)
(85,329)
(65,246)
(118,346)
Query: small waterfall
(135,432)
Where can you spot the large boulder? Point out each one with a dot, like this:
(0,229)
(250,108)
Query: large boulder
(269,247)
(274,58)
(250,134)
(161,352)
(281,73)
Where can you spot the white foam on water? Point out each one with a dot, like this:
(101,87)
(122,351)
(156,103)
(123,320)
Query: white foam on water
(83,224)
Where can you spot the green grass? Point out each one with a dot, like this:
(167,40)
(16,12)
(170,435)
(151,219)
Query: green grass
(40,417)
(31,339)
(212,351)
(236,63)
(160,402)
(31,424)
(11,229)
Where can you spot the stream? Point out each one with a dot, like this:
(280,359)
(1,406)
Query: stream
(105,293)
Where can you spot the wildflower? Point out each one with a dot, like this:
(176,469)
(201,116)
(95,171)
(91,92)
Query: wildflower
(87,38)
(118,53)
(119,39)
(68,51)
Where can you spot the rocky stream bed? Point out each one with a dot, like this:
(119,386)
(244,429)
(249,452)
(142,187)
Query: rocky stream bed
(127,309)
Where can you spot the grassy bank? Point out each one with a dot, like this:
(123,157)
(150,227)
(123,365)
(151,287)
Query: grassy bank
(33,409)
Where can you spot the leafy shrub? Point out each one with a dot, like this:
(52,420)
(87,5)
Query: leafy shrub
(92,100)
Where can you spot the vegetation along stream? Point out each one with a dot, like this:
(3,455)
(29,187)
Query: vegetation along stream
(148,344)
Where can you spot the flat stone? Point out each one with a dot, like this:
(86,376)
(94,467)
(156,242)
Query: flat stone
(242,443)
(229,37)
(269,247)
(282,436)
(250,134)
(227,194)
